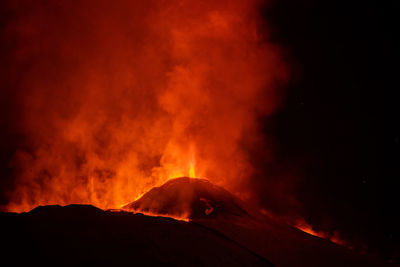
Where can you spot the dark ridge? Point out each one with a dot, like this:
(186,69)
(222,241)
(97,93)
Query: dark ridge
(85,235)
(75,209)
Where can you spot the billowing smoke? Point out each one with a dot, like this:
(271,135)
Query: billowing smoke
(112,98)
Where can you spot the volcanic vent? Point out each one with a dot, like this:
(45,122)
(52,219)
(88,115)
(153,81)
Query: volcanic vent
(190,198)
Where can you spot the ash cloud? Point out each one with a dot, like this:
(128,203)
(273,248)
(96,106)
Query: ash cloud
(108,100)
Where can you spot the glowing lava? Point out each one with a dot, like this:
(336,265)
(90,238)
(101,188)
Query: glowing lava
(191,171)
(307,228)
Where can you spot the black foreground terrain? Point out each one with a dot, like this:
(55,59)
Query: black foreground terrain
(84,235)
(222,231)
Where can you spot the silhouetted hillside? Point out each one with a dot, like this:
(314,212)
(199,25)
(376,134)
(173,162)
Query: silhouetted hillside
(84,235)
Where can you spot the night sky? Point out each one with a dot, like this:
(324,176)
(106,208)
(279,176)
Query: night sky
(339,127)
(337,134)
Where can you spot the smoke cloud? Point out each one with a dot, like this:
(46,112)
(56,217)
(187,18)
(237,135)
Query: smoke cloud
(113,98)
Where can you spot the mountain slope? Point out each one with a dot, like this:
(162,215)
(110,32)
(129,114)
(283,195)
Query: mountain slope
(84,235)
(215,208)
(190,198)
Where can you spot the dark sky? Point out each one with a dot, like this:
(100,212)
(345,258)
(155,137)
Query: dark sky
(338,131)
(340,124)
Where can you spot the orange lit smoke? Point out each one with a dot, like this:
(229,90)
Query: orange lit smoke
(115,98)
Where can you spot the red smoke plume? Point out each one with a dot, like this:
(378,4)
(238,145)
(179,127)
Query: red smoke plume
(113,98)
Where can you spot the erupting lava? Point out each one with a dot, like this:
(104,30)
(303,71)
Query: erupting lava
(191,171)
(114,99)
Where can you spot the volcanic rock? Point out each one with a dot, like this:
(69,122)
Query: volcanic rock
(191,198)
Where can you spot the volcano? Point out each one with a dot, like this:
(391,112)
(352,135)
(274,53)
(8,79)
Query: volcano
(191,198)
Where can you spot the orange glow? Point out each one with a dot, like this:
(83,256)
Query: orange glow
(334,238)
(178,218)
(118,98)
(191,171)
(184,218)
(308,229)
